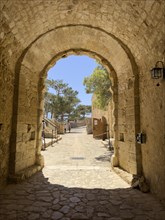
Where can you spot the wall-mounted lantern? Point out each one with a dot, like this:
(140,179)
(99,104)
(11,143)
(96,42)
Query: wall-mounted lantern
(158,71)
(141,138)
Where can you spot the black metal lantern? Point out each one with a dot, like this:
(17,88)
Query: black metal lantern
(158,71)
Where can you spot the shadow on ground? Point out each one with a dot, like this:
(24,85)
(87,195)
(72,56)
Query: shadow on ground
(105,158)
(38,199)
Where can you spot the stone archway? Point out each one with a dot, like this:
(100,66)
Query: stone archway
(28,105)
(137,27)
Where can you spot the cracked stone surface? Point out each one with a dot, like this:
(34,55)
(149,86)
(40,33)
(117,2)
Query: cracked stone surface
(77,189)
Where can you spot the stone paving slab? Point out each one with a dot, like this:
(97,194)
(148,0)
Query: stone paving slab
(77,189)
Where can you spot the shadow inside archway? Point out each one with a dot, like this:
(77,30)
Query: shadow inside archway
(38,198)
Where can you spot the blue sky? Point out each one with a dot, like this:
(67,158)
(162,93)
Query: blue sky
(72,70)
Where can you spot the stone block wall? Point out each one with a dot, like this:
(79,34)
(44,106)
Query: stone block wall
(6,101)
(153,125)
(9,53)
(126,36)
(126,126)
(26,120)
(108,114)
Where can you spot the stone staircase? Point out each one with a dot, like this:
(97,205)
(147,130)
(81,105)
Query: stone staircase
(52,129)
(53,123)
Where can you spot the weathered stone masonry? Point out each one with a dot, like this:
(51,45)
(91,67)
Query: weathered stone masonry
(126,36)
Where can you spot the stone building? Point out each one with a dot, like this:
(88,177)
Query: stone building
(127,37)
(107,113)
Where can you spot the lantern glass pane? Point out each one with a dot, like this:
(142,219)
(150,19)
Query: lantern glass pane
(156,73)
(159,72)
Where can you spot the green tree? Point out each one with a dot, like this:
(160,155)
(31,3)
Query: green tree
(64,99)
(48,103)
(81,111)
(99,84)
(58,85)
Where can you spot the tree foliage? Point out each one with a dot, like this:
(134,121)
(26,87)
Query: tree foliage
(81,111)
(63,101)
(99,84)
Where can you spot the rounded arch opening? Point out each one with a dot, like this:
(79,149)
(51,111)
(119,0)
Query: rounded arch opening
(38,57)
(102,61)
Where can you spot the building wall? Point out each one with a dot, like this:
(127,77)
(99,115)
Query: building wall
(108,114)
(153,125)
(6,100)
(7,95)
(26,120)
(126,36)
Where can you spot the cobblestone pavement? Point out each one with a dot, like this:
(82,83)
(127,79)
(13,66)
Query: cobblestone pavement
(77,183)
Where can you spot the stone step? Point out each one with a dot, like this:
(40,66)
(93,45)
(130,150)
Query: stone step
(50,141)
